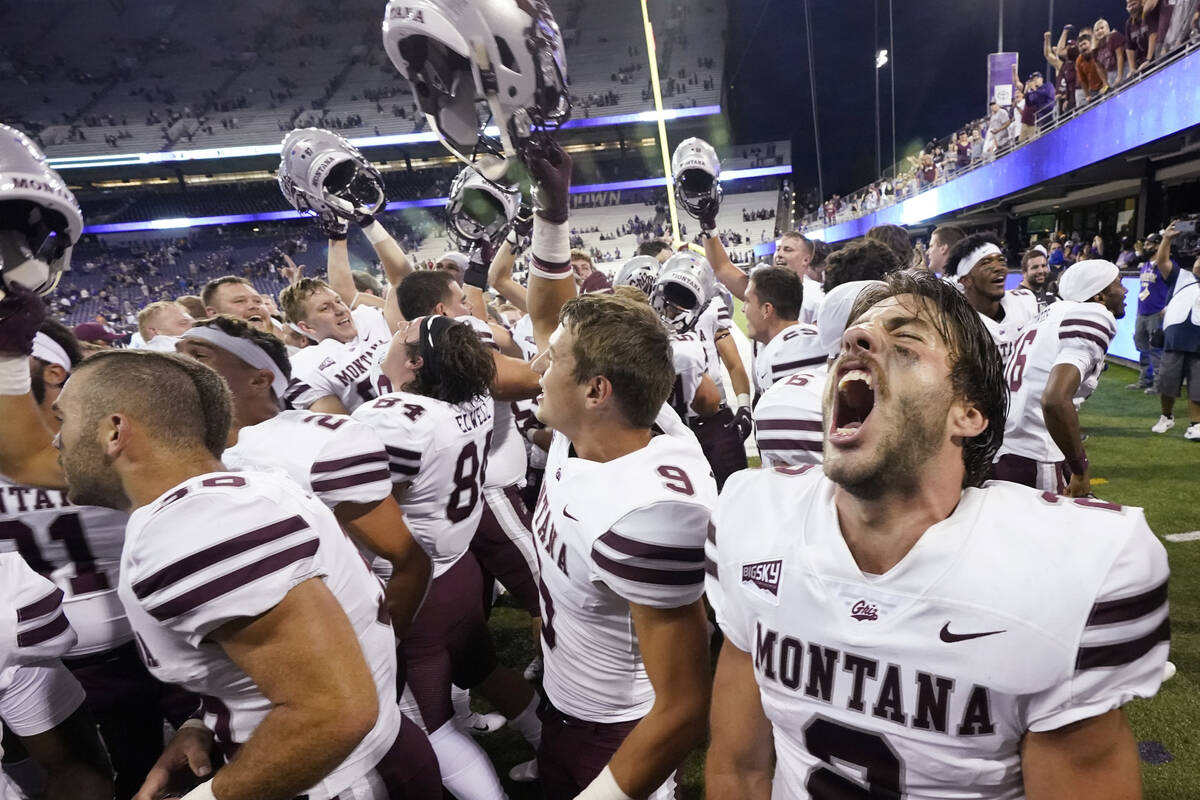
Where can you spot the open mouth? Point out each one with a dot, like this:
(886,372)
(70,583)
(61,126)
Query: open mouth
(254,318)
(853,402)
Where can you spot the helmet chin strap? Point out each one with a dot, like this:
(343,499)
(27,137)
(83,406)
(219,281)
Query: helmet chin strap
(20,265)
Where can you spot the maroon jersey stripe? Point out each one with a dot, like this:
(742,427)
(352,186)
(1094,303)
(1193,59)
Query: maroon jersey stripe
(788,444)
(400,452)
(662,552)
(333,465)
(1129,608)
(804,362)
(1091,337)
(40,608)
(329,484)
(1120,653)
(231,581)
(1087,323)
(42,633)
(186,567)
(662,577)
(789,425)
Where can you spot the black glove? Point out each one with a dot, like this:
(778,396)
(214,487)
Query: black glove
(550,167)
(480,259)
(743,422)
(336,229)
(363,220)
(523,222)
(708,214)
(21,314)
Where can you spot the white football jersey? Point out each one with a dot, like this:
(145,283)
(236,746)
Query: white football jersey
(78,548)
(522,333)
(507,461)
(1020,307)
(1021,612)
(439,450)
(627,531)
(229,546)
(810,305)
(788,422)
(691,365)
(330,455)
(1065,333)
(716,317)
(525,411)
(794,349)
(337,369)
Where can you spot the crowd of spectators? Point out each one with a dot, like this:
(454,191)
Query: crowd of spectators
(1087,64)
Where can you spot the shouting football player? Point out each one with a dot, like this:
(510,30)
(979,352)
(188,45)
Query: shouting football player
(895,627)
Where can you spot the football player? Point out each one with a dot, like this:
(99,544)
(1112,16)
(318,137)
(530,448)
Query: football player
(895,627)
(332,376)
(236,297)
(620,526)
(40,701)
(242,588)
(79,548)
(788,417)
(1054,367)
(773,299)
(338,460)
(160,323)
(977,263)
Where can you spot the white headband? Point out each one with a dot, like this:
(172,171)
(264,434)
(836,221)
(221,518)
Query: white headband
(244,349)
(975,256)
(50,351)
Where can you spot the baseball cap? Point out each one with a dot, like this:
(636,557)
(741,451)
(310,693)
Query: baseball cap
(96,332)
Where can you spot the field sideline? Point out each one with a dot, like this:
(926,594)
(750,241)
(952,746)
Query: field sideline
(1159,473)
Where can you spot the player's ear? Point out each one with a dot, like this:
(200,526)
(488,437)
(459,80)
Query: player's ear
(599,391)
(262,379)
(304,326)
(966,420)
(114,432)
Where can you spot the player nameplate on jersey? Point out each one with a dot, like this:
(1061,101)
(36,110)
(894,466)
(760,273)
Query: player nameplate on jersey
(764,575)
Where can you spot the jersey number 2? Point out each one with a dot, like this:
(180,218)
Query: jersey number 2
(877,762)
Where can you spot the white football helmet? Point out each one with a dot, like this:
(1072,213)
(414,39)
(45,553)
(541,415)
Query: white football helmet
(696,170)
(473,62)
(321,173)
(684,288)
(40,220)
(640,272)
(478,209)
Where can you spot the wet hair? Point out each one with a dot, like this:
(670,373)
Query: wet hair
(456,367)
(976,370)
(181,402)
(420,292)
(865,260)
(897,240)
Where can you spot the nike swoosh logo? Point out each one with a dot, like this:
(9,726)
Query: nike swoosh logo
(568,514)
(947,636)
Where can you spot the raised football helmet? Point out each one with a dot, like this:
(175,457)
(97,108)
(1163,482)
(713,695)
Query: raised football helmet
(640,272)
(696,170)
(323,174)
(478,209)
(683,289)
(473,62)
(40,220)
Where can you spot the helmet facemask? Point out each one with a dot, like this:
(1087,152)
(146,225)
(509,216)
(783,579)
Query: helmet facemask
(35,245)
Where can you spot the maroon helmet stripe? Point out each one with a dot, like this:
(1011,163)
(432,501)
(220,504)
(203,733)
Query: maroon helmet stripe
(662,552)
(329,484)
(42,633)
(186,567)
(232,581)
(40,608)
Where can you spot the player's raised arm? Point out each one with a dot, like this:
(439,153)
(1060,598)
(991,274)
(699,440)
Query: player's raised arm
(738,765)
(551,281)
(395,262)
(501,269)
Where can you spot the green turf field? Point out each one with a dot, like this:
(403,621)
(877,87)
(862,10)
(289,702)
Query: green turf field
(1157,472)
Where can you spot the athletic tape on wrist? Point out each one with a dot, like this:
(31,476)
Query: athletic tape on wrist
(376,233)
(202,792)
(14,375)
(551,249)
(743,400)
(604,787)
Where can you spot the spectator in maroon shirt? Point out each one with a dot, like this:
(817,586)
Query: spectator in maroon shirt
(1092,80)
(1146,29)
(1109,50)
(962,151)
(1062,58)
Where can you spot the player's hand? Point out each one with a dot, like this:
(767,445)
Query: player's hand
(1171,231)
(1079,486)
(184,759)
(743,422)
(335,228)
(362,217)
(708,213)
(550,167)
(478,262)
(21,314)
(292,272)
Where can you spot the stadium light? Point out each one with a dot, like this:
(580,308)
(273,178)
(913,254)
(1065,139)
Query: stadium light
(881,59)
